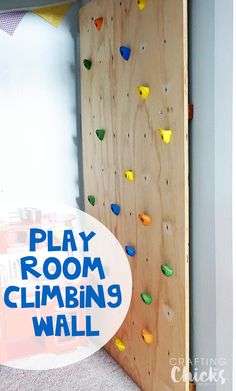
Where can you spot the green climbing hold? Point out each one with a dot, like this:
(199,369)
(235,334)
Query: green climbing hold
(87,64)
(100,133)
(91,200)
(147,299)
(167,270)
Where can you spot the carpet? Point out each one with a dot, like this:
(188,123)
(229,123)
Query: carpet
(97,373)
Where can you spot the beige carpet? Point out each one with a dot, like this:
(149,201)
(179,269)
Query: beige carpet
(97,373)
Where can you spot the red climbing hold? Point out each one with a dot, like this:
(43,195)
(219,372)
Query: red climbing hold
(98,23)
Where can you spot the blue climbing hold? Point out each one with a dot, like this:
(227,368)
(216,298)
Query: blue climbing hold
(115,209)
(125,52)
(130,251)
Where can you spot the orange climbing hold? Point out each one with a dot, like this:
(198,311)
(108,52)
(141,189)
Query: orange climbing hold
(98,23)
(144,219)
(147,336)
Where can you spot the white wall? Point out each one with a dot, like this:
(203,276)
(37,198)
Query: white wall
(223,183)
(234,197)
(202,182)
(38,111)
(211,44)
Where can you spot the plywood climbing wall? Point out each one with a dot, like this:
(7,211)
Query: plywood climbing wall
(158,165)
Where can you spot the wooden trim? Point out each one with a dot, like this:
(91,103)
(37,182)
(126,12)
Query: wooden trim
(190,111)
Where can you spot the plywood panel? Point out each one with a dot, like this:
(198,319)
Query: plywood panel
(157,37)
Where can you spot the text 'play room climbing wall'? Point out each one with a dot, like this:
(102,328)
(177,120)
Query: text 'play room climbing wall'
(135,148)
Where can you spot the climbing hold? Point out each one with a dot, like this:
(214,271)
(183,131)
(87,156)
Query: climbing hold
(98,23)
(165,135)
(146,298)
(167,270)
(91,200)
(130,251)
(143,92)
(115,209)
(119,344)
(141,4)
(87,63)
(147,336)
(144,219)
(129,175)
(125,52)
(100,133)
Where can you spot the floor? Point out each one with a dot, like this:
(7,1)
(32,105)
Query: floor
(97,373)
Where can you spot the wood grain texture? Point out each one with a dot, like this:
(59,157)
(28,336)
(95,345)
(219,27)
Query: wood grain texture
(157,37)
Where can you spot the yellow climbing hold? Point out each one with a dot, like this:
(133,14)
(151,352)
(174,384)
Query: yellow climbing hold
(143,92)
(147,336)
(119,344)
(165,135)
(129,175)
(141,4)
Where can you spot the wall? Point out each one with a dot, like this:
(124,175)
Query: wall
(223,183)
(38,111)
(16,4)
(202,182)
(234,197)
(210,180)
